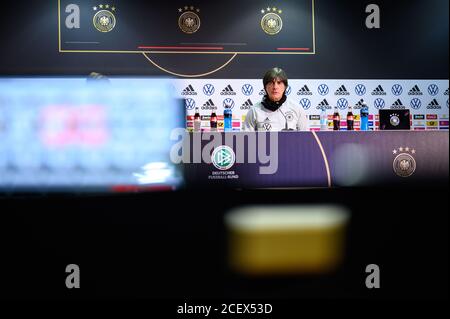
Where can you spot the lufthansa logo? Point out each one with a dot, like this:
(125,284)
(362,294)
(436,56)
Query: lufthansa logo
(223,158)
(404,165)
(271,22)
(104,20)
(189,21)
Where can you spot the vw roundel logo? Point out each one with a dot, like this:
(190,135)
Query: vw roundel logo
(209,89)
(228,103)
(397,89)
(360,89)
(323,89)
(288,90)
(433,90)
(305,103)
(223,158)
(190,104)
(379,104)
(247,89)
(416,104)
(342,104)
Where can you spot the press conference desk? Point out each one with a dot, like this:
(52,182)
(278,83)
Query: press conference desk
(317,159)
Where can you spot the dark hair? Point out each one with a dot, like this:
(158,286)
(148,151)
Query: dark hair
(273,74)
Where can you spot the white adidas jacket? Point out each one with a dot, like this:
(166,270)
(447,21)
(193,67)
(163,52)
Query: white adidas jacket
(288,116)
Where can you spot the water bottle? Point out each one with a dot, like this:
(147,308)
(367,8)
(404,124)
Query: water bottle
(364,117)
(197,120)
(350,119)
(323,120)
(336,120)
(213,121)
(227,119)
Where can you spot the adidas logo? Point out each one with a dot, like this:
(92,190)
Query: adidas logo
(398,105)
(342,91)
(379,91)
(247,105)
(228,91)
(209,105)
(189,91)
(358,105)
(415,91)
(324,104)
(304,91)
(446,92)
(434,105)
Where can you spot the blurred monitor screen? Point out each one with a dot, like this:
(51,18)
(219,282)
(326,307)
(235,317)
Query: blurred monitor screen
(87,134)
(395,119)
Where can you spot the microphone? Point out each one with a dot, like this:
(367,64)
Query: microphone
(285,122)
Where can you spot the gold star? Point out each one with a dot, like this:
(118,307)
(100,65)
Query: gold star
(262,11)
(413,151)
(186,7)
(401,149)
(101,6)
(198,10)
(274,9)
(113,8)
(394,152)
(280,11)
(180,10)
(95,8)
(192,8)
(407,149)
(107,6)
(268,9)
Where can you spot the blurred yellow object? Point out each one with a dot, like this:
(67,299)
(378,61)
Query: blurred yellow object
(286,239)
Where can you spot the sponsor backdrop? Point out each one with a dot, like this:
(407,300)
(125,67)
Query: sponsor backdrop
(426,99)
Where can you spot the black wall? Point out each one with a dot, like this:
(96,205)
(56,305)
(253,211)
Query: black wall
(411,44)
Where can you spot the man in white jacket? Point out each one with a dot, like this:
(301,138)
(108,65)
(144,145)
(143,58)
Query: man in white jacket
(274,113)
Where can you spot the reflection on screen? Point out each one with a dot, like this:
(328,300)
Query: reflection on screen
(73,132)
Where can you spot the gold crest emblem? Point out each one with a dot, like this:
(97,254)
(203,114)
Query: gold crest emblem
(104,20)
(271,22)
(189,20)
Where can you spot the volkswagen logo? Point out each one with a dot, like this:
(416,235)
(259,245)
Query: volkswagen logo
(360,89)
(342,104)
(416,104)
(228,103)
(190,104)
(379,104)
(247,89)
(397,89)
(288,90)
(433,90)
(208,89)
(323,89)
(223,158)
(305,103)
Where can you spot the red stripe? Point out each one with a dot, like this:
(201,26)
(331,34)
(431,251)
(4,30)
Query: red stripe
(180,48)
(293,49)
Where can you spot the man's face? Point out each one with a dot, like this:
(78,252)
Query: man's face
(275,89)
